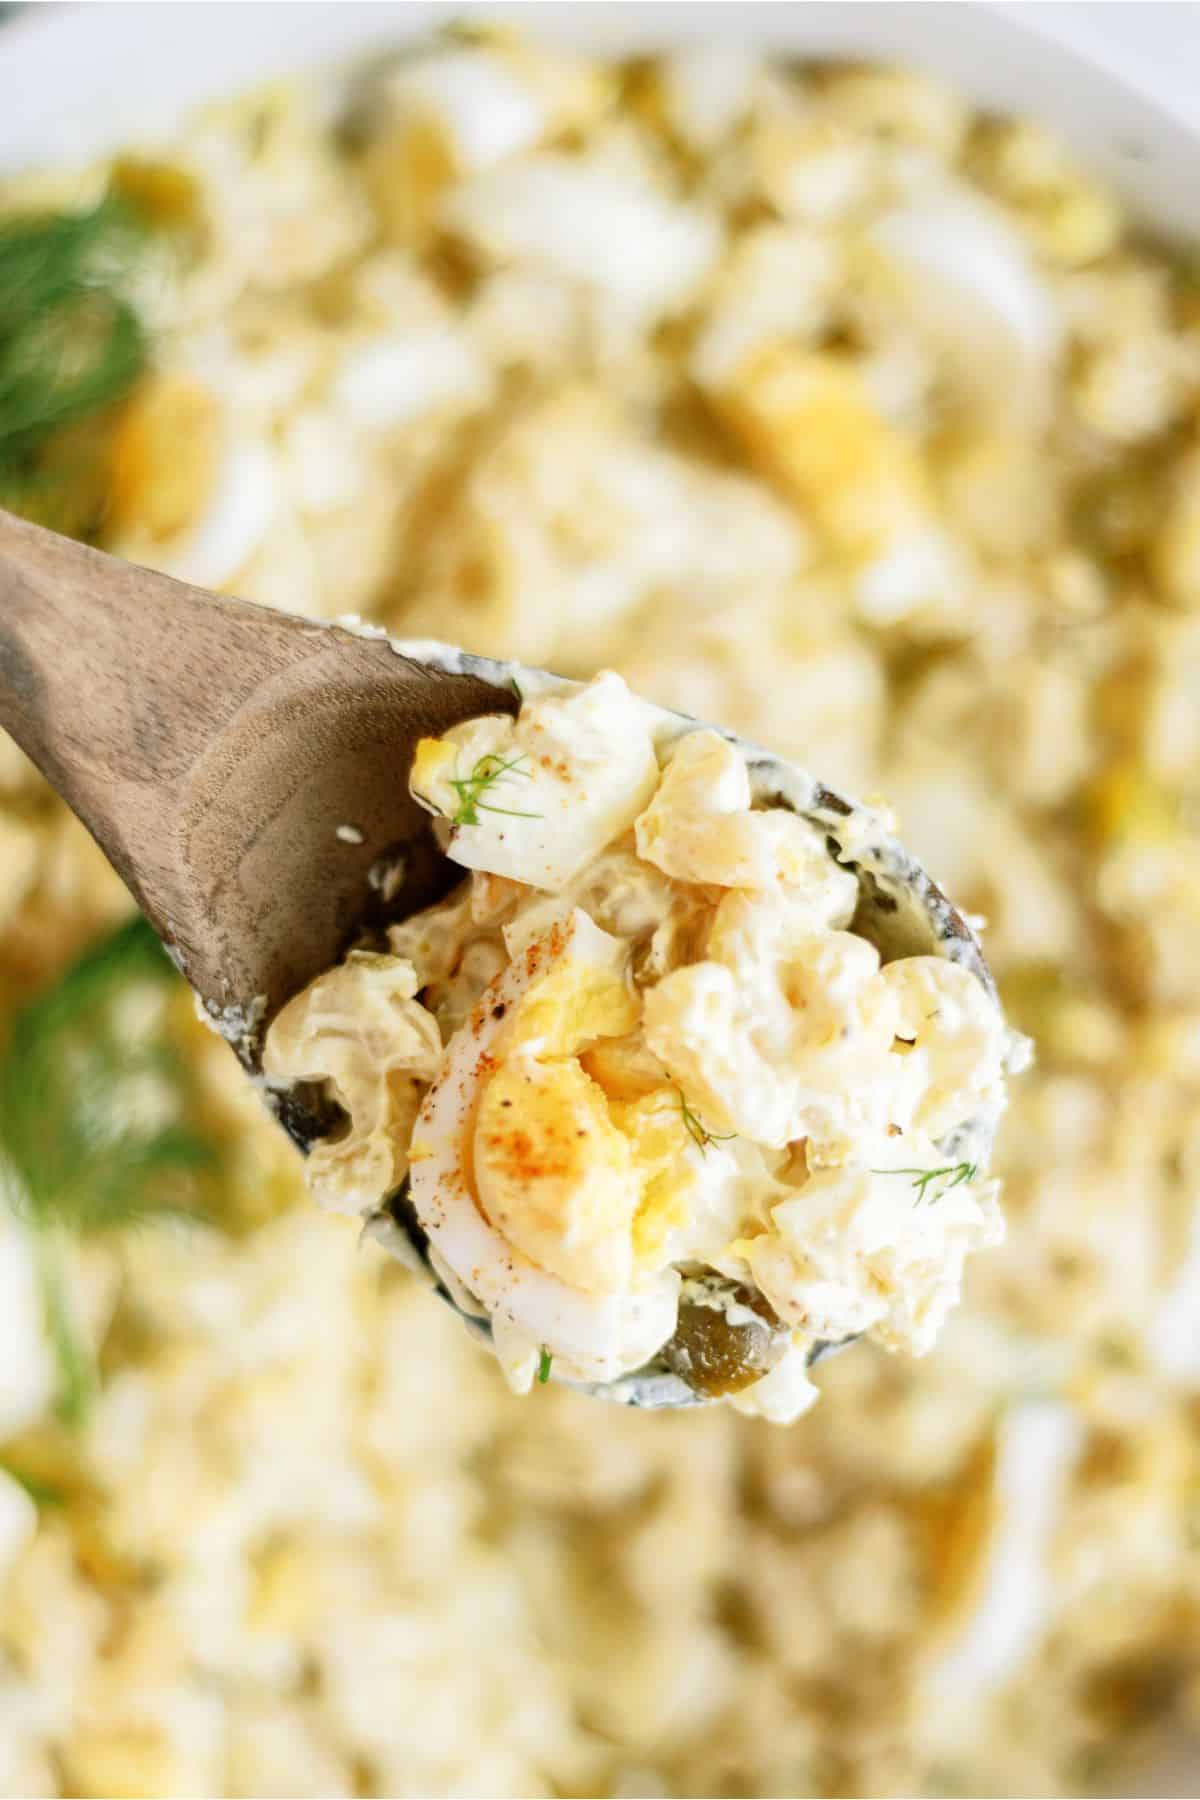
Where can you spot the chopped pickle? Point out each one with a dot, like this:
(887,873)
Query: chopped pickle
(723,1342)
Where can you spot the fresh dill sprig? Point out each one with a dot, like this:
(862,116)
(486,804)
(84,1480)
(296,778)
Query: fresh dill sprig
(471,788)
(955,1175)
(699,1133)
(544,1362)
(88,1102)
(91,1138)
(71,343)
(44,1494)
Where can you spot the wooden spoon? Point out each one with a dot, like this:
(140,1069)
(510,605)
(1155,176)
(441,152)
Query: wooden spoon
(246,773)
(243,770)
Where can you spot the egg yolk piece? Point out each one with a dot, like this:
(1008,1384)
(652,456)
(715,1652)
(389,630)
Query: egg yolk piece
(575,1003)
(554,1174)
(654,1129)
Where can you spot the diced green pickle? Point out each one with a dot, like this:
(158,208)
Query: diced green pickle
(716,1356)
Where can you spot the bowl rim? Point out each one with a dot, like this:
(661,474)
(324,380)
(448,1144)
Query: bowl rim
(1116,80)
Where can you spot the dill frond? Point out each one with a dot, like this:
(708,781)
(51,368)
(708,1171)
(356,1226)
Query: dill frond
(699,1133)
(71,347)
(470,789)
(953,1174)
(92,1132)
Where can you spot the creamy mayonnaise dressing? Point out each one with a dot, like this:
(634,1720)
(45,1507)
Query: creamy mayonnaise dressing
(696,1073)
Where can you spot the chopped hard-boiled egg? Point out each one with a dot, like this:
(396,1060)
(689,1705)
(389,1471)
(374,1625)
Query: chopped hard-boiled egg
(552,1171)
(537,798)
(473,100)
(959,271)
(666,1114)
(575,218)
(554,1174)
(479,1183)
(808,417)
(194,493)
(471,107)
(706,90)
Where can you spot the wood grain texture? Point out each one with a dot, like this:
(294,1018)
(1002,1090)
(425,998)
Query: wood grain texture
(213,748)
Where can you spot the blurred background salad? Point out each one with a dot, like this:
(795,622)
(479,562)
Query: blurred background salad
(817,402)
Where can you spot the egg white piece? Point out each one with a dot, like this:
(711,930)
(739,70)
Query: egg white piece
(565,213)
(590,1336)
(474,97)
(241,511)
(970,285)
(559,784)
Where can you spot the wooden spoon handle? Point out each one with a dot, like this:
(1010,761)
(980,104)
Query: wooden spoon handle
(111,674)
(115,681)
(242,769)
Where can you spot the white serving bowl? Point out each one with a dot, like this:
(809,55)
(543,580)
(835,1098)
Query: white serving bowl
(1118,81)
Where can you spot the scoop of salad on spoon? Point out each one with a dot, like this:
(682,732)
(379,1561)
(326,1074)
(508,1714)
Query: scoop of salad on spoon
(668,1065)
